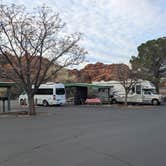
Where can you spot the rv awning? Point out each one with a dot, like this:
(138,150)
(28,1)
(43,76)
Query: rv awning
(6,84)
(87,85)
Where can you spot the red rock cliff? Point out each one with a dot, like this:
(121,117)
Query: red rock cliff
(97,72)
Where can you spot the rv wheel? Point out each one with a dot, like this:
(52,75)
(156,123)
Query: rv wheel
(21,102)
(114,101)
(45,103)
(155,102)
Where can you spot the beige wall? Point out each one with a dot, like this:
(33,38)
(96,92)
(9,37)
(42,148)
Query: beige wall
(2,91)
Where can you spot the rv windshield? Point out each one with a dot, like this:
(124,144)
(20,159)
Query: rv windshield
(60,91)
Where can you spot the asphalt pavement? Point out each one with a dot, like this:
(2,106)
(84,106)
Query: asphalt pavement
(85,136)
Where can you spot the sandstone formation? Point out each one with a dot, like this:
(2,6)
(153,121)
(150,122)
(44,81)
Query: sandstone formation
(97,72)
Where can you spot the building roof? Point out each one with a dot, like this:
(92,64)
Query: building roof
(6,84)
(87,85)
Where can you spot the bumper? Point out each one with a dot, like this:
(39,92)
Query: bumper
(60,102)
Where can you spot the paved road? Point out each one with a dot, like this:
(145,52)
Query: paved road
(85,136)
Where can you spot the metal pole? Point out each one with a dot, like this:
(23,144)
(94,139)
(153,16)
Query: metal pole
(8,97)
(109,95)
(3,103)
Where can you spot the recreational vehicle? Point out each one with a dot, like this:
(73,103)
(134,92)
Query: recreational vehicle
(47,94)
(142,92)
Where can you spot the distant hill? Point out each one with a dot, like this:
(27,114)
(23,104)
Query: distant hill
(91,72)
(97,72)
(7,73)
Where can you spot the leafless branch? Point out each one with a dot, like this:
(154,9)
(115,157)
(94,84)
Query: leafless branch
(34,42)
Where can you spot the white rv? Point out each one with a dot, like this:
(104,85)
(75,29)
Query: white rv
(143,92)
(47,94)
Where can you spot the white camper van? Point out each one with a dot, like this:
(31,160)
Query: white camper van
(47,94)
(143,92)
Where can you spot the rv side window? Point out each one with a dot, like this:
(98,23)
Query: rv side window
(44,92)
(60,91)
(138,89)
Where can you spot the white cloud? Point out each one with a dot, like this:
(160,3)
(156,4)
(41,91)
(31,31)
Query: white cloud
(113,28)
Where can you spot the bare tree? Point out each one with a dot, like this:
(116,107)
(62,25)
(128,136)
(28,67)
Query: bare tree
(127,79)
(33,43)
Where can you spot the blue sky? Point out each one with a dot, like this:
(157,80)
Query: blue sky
(112,28)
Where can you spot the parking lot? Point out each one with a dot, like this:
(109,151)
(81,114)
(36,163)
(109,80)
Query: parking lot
(95,135)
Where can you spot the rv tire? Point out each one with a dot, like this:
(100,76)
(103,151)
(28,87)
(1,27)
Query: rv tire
(45,103)
(21,102)
(155,102)
(113,101)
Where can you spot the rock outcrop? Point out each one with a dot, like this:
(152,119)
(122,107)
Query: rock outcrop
(97,72)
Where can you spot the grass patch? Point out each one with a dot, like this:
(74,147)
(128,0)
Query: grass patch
(14,113)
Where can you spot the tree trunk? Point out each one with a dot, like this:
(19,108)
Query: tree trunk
(156,84)
(126,99)
(31,105)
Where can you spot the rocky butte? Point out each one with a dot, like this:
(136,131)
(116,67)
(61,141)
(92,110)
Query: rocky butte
(97,72)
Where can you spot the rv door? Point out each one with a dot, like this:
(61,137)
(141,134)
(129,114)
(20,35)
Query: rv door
(147,96)
(135,95)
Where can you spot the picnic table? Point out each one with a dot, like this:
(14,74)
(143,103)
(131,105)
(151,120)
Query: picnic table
(93,101)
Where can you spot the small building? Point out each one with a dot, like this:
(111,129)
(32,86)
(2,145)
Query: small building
(7,86)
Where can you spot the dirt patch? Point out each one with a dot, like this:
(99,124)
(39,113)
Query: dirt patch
(22,114)
(15,113)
